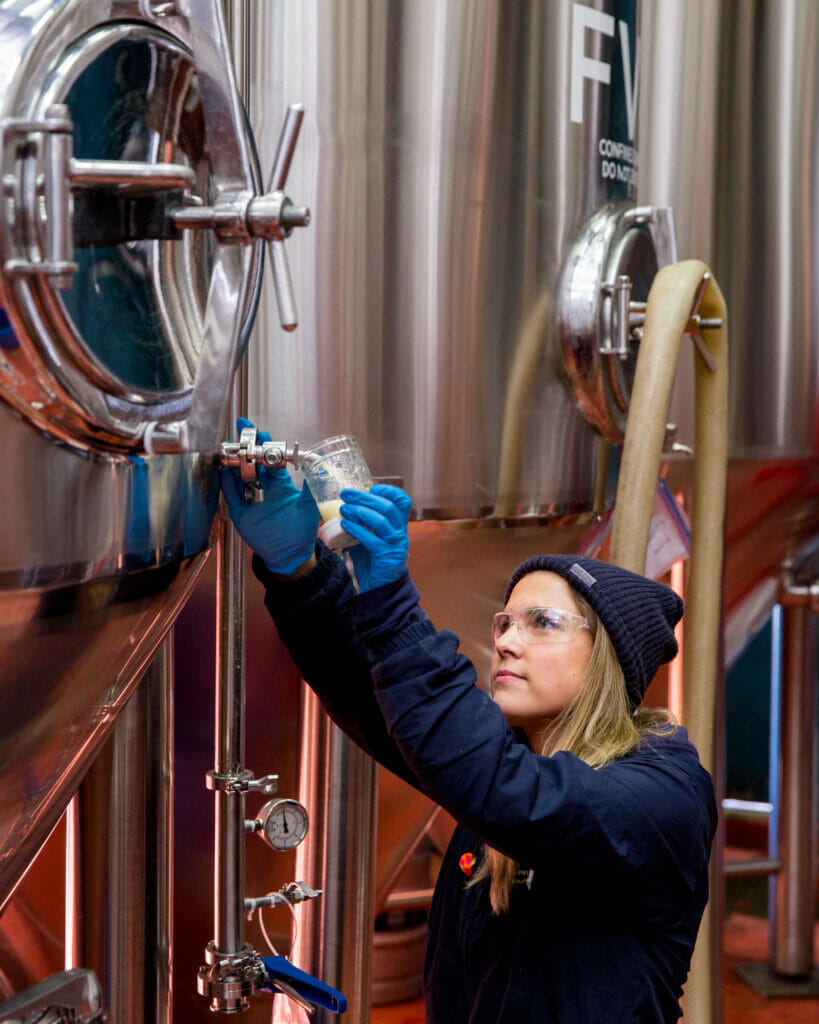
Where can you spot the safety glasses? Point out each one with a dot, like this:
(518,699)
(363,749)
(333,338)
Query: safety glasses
(539,625)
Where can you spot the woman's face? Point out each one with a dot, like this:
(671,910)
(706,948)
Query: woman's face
(532,683)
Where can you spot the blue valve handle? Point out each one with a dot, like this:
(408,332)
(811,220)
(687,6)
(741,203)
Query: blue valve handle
(308,987)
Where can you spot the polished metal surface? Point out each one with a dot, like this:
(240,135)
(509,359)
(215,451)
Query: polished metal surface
(73,651)
(728,138)
(101,543)
(334,936)
(120,856)
(68,996)
(766,249)
(177,299)
(446,186)
(792,926)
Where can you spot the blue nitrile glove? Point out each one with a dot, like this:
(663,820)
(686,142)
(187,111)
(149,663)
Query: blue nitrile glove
(378,520)
(281,529)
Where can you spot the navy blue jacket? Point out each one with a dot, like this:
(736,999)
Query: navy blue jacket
(602,925)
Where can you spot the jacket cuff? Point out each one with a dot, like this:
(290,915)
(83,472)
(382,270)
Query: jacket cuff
(282,590)
(389,617)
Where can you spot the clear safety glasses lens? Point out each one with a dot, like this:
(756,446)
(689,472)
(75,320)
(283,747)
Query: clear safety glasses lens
(539,625)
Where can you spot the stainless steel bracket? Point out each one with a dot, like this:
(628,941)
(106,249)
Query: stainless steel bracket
(290,892)
(696,323)
(241,782)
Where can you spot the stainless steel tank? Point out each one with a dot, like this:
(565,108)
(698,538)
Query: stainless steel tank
(472,168)
(455,155)
(118,326)
(474,191)
(728,133)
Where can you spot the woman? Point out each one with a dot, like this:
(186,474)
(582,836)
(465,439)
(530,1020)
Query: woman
(576,878)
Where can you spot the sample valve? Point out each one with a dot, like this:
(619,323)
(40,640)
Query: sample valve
(249,456)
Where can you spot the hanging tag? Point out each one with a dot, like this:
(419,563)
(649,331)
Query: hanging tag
(669,538)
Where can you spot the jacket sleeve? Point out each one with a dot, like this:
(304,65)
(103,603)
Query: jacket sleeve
(640,823)
(314,620)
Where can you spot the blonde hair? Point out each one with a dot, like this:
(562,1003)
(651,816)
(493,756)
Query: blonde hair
(598,726)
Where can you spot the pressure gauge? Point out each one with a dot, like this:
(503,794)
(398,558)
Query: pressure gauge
(283,824)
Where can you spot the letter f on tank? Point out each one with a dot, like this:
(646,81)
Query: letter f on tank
(582,66)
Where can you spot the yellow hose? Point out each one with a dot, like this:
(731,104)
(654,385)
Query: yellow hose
(668,310)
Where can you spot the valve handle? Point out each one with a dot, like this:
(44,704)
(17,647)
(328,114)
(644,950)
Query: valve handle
(283,284)
(289,217)
(286,147)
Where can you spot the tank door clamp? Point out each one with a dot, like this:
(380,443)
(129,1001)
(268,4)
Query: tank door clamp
(271,216)
(696,323)
(40,175)
(615,341)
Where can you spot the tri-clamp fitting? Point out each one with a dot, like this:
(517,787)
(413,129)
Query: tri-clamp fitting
(229,980)
(250,456)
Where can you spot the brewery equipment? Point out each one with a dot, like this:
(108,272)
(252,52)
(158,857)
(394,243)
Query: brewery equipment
(494,188)
(130,246)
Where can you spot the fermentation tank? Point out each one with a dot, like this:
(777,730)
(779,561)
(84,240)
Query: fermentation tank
(493,187)
(482,176)
(120,333)
(481,184)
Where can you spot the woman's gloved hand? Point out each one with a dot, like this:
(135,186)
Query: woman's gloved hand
(378,520)
(281,529)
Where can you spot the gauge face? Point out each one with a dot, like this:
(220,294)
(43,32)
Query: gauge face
(284,823)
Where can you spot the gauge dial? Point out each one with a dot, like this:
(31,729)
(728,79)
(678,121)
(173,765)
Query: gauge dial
(284,823)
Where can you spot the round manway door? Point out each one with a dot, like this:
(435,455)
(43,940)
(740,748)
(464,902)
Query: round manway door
(128,236)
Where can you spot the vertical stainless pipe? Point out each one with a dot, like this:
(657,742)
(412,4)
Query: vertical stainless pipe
(229,753)
(229,836)
(335,933)
(120,863)
(793,953)
(240,24)
(233,971)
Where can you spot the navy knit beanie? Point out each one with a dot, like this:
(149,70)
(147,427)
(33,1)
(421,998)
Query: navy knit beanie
(639,614)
